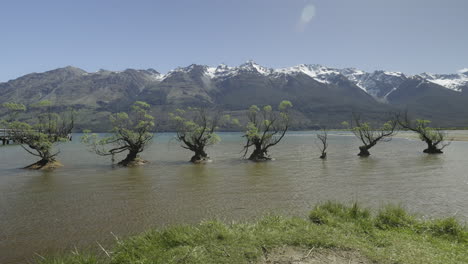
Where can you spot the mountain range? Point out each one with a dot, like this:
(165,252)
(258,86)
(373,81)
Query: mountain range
(322,96)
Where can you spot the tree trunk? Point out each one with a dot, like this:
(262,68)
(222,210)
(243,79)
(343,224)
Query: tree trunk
(38,165)
(432,149)
(44,164)
(364,151)
(200,155)
(131,159)
(259,154)
(324,155)
(47,161)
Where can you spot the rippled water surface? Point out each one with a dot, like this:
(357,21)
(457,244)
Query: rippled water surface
(88,200)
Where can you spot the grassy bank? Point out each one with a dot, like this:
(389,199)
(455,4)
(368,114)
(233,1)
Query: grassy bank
(390,235)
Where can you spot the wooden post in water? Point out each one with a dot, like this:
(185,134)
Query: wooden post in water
(4,137)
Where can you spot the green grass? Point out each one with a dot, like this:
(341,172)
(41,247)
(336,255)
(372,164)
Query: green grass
(389,236)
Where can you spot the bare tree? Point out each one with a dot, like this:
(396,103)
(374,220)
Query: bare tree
(265,129)
(435,138)
(323,145)
(195,130)
(371,136)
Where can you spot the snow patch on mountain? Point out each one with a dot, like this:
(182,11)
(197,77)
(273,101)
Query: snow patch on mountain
(221,71)
(451,81)
(210,72)
(378,84)
(356,76)
(254,67)
(317,72)
(158,77)
(387,94)
(396,74)
(451,84)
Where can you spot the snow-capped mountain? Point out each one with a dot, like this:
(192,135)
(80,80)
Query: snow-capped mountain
(378,84)
(320,94)
(318,72)
(455,82)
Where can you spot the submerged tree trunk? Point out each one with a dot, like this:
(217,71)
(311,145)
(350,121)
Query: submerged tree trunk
(364,151)
(200,156)
(44,164)
(324,155)
(132,159)
(432,149)
(47,161)
(259,154)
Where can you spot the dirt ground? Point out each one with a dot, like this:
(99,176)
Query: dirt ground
(294,255)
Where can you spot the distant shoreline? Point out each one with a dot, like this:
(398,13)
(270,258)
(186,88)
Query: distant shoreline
(411,135)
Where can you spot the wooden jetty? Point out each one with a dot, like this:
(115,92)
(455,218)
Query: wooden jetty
(5,136)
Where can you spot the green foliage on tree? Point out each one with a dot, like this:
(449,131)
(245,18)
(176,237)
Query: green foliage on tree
(195,128)
(39,137)
(370,136)
(429,132)
(265,128)
(42,104)
(13,110)
(435,138)
(132,132)
(14,106)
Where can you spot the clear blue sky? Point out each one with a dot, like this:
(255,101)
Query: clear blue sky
(412,36)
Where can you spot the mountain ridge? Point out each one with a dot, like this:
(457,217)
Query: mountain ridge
(322,96)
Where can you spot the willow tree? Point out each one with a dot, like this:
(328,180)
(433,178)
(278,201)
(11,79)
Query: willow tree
(13,109)
(41,136)
(131,133)
(265,129)
(435,138)
(370,136)
(195,128)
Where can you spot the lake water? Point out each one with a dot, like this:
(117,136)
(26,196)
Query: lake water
(88,200)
